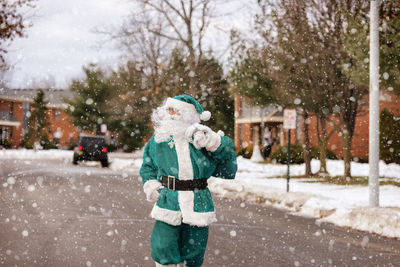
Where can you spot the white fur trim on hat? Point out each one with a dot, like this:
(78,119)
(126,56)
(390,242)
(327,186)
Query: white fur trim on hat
(205,116)
(180,105)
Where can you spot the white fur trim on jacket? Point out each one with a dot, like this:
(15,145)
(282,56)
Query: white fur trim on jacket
(171,217)
(191,217)
(184,161)
(186,198)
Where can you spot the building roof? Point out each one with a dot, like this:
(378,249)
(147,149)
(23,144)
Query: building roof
(55,97)
(257,114)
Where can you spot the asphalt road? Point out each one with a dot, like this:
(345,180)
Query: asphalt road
(55,214)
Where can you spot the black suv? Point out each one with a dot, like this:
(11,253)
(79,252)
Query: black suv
(91,148)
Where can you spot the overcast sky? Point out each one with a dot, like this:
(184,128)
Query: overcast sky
(62,41)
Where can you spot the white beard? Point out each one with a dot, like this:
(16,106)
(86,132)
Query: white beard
(166,125)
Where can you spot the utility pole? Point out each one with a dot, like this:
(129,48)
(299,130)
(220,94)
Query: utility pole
(374,105)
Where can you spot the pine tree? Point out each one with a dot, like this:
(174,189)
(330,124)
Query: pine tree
(209,82)
(130,105)
(39,124)
(356,45)
(89,107)
(389,147)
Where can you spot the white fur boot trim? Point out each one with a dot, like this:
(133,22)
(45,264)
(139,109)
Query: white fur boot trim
(169,265)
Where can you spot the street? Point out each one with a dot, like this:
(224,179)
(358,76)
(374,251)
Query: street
(53,213)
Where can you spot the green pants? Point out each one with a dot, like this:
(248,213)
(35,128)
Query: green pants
(175,244)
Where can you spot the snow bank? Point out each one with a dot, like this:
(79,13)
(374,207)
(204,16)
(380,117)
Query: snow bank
(338,204)
(382,221)
(132,165)
(38,154)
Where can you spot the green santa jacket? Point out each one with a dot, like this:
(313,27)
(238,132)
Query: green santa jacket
(179,158)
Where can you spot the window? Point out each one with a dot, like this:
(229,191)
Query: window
(25,107)
(56,115)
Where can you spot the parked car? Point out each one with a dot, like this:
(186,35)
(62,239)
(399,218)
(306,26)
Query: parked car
(91,148)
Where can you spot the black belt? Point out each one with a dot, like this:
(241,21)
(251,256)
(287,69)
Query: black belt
(183,185)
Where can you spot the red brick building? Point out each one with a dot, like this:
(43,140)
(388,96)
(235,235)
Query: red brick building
(250,122)
(15,106)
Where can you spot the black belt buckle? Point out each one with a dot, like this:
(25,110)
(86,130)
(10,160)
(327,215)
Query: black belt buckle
(169,178)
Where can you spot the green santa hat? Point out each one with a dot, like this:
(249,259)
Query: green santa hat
(188,104)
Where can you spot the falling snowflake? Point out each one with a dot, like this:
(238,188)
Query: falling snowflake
(110,233)
(232,233)
(87,189)
(31,188)
(385,75)
(11,180)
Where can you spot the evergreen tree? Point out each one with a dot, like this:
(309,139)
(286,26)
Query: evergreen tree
(89,107)
(356,44)
(39,125)
(389,146)
(212,88)
(216,97)
(251,77)
(130,105)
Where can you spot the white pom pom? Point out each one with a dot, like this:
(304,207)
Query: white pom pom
(205,116)
(220,133)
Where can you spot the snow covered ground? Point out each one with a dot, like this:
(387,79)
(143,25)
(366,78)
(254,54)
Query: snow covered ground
(342,205)
(339,204)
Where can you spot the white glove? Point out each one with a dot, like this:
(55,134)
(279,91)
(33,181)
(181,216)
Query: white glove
(190,131)
(213,141)
(151,189)
(202,136)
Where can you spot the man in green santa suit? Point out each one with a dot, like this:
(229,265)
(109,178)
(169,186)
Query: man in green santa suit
(177,161)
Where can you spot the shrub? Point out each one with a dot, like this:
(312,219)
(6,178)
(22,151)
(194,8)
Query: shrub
(72,144)
(389,144)
(6,144)
(111,148)
(46,143)
(361,159)
(245,152)
(296,154)
(314,151)
(132,134)
(26,143)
